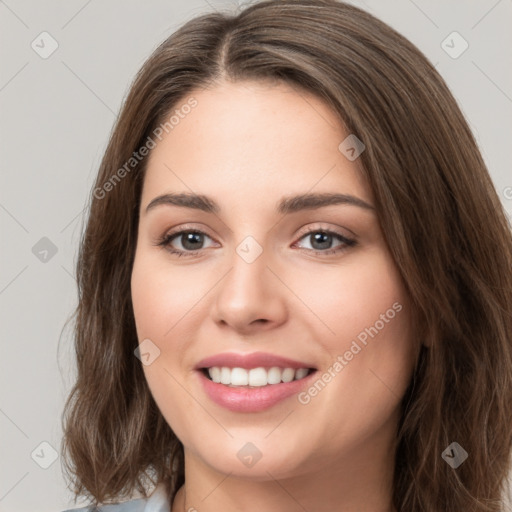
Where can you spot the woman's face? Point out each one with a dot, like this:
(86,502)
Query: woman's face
(313,284)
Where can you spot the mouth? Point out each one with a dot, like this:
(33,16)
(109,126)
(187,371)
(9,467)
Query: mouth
(259,377)
(252,382)
(253,390)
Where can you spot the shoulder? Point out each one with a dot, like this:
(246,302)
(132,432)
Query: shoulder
(157,502)
(138,505)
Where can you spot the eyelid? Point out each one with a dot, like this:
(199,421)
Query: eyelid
(307,229)
(346,242)
(166,239)
(336,231)
(177,231)
(186,227)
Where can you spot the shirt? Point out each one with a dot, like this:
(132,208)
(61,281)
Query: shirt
(156,502)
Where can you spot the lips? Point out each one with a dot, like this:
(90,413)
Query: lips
(249,361)
(249,399)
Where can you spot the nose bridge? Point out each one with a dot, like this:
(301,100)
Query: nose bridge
(249,272)
(249,291)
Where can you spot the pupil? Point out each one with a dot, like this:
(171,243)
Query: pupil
(317,237)
(191,238)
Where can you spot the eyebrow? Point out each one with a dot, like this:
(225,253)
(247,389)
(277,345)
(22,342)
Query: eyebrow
(286,205)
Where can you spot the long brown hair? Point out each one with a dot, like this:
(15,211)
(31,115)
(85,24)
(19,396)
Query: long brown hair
(439,212)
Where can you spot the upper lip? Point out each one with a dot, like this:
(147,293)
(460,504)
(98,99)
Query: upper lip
(248,361)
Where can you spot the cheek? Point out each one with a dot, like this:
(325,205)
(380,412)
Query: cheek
(373,314)
(162,295)
(367,309)
(161,299)
(359,309)
(348,298)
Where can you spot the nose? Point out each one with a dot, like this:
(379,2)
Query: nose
(251,296)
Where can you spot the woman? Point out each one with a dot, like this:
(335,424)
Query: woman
(295,288)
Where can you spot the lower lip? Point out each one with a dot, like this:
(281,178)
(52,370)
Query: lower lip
(252,399)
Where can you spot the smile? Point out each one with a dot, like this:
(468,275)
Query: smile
(250,398)
(255,377)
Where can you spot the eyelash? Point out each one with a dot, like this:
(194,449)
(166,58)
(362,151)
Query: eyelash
(165,242)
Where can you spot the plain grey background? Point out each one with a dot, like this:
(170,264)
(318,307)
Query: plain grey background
(56,115)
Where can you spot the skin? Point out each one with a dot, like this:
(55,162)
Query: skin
(246,145)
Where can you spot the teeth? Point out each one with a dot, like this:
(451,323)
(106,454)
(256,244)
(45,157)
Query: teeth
(274,375)
(301,373)
(288,375)
(239,377)
(256,377)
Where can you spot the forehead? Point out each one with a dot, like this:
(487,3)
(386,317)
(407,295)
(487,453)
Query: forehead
(250,141)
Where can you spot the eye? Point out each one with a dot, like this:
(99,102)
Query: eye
(191,241)
(321,239)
